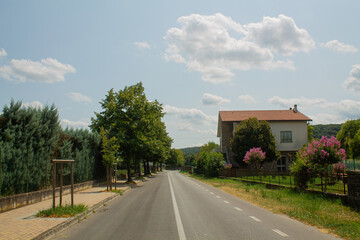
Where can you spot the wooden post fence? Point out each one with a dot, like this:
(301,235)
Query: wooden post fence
(61,161)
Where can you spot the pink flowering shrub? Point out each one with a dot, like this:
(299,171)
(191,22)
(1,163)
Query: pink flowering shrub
(227,165)
(339,167)
(318,155)
(314,158)
(255,157)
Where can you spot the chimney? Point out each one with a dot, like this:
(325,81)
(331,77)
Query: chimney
(295,110)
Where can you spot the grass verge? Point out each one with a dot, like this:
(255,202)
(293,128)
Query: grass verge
(63,211)
(329,215)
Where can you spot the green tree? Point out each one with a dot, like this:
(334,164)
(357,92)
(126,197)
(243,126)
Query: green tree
(176,158)
(310,132)
(349,137)
(136,124)
(254,133)
(210,147)
(109,150)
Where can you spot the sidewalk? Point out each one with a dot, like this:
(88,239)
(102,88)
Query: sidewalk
(22,224)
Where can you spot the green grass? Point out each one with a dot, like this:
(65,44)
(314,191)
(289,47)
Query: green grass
(118,191)
(330,215)
(63,211)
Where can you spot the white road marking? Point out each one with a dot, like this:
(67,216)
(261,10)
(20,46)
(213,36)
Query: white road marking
(211,193)
(239,209)
(255,219)
(226,202)
(280,233)
(207,190)
(179,224)
(218,196)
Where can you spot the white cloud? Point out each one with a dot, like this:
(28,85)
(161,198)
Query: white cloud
(78,97)
(188,128)
(142,45)
(48,71)
(348,108)
(34,104)
(335,112)
(353,82)
(339,46)
(3,53)
(302,102)
(325,118)
(247,99)
(279,34)
(191,115)
(216,45)
(74,124)
(210,100)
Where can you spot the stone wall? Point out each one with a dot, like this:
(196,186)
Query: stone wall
(19,200)
(354,187)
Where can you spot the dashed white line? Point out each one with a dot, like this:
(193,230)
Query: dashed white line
(218,196)
(280,233)
(226,201)
(239,209)
(255,219)
(206,190)
(211,193)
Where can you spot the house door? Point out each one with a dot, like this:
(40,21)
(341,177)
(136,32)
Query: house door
(281,164)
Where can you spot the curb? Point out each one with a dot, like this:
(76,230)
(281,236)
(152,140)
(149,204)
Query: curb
(75,219)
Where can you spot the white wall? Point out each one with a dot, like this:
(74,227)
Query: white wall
(299,134)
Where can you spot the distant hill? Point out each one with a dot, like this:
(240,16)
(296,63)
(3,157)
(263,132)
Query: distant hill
(326,130)
(190,150)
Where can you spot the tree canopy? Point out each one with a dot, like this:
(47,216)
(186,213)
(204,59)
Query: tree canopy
(136,124)
(349,137)
(252,133)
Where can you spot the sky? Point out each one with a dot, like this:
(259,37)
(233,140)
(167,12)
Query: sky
(195,57)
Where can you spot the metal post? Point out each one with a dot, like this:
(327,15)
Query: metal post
(72,184)
(54,182)
(61,182)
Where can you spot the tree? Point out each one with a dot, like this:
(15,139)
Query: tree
(349,137)
(210,147)
(310,132)
(136,124)
(209,162)
(252,133)
(109,150)
(315,158)
(176,158)
(255,157)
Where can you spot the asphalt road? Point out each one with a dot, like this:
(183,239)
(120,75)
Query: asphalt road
(173,206)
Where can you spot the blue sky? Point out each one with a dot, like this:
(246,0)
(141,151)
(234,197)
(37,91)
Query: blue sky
(194,57)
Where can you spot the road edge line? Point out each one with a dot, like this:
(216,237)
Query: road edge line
(179,224)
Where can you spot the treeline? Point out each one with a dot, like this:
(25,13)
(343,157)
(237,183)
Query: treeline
(31,137)
(328,130)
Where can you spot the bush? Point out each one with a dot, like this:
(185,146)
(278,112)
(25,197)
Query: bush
(300,172)
(210,163)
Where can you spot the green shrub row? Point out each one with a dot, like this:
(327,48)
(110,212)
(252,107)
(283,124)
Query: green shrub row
(30,138)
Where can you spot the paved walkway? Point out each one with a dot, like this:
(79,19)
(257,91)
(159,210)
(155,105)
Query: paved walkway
(22,224)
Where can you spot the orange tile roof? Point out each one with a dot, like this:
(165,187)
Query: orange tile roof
(267,115)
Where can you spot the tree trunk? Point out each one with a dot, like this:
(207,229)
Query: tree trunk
(111,180)
(107,178)
(145,168)
(139,168)
(148,168)
(128,162)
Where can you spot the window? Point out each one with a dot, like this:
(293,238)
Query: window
(281,164)
(286,136)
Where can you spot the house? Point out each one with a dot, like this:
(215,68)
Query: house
(289,128)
